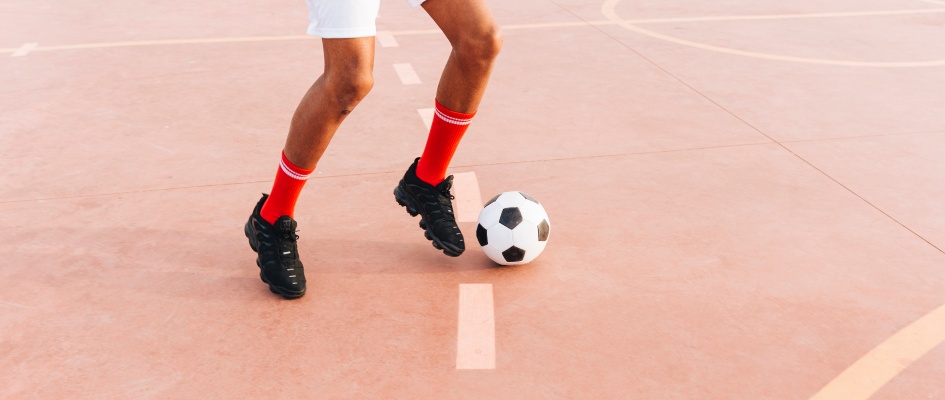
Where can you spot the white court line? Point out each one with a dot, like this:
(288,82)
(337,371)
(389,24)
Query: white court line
(609,11)
(781,16)
(475,339)
(24,50)
(386,39)
(641,21)
(406,73)
(243,39)
(426,114)
(612,20)
(468,200)
(871,372)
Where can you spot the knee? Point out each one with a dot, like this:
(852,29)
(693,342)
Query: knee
(350,87)
(480,47)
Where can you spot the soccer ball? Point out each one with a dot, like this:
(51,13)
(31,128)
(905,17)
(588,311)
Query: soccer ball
(513,228)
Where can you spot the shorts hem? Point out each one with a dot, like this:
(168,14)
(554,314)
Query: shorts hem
(346,33)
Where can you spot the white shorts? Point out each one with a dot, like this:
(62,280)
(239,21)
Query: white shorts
(332,19)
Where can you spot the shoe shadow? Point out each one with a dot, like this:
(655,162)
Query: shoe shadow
(377,257)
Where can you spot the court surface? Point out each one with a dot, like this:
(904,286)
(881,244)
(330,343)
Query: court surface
(746,201)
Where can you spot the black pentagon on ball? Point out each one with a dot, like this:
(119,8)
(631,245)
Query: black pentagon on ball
(543,230)
(482,235)
(530,198)
(510,217)
(514,254)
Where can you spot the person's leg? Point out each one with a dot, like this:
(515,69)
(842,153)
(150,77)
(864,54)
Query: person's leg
(347,79)
(425,189)
(476,41)
(271,228)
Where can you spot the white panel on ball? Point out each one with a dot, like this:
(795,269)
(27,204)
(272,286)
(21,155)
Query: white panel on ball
(489,216)
(494,254)
(532,212)
(510,199)
(500,237)
(533,252)
(525,236)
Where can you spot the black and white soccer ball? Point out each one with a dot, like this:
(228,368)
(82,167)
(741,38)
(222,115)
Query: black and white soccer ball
(513,228)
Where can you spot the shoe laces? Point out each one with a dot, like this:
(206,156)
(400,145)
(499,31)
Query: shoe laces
(439,203)
(444,188)
(290,235)
(445,195)
(285,241)
(289,243)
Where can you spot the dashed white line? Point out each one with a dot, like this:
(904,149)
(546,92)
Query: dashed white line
(475,340)
(24,50)
(406,73)
(426,114)
(386,39)
(468,200)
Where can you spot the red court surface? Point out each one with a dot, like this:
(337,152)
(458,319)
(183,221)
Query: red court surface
(746,201)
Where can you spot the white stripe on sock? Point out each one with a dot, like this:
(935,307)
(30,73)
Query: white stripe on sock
(451,120)
(292,174)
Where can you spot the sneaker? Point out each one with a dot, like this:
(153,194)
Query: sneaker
(433,205)
(278,255)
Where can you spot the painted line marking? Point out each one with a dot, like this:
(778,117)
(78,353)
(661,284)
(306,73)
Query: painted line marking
(871,372)
(175,41)
(609,10)
(406,73)
(475,341)
(24,49)
(782,16)
(514,27)
(608,7)
(386,39)
(468,200)
(426,114)
(619,21)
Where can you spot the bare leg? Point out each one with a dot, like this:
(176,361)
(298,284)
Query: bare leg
(474,35)
(476,41)
(348,77)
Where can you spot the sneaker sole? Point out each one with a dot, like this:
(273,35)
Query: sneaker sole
(407,202)
(262,275)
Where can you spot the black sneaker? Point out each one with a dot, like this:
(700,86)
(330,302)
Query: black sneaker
(435,209)
(278,255)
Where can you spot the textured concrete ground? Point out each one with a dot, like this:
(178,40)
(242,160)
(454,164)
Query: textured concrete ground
(746,202)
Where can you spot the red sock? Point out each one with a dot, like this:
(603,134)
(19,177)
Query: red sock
(285,191)
(445,133)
